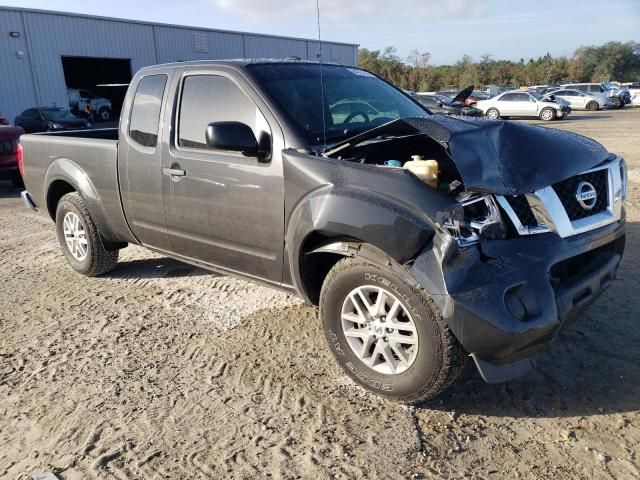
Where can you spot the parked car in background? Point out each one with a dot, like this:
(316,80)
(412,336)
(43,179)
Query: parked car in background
(581,101)
(445,105)
(523,104)
(9,137)
(49,119)
(78,99)
(619,95)
(469,97)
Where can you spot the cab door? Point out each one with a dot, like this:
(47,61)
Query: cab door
(139,157)
(223,208)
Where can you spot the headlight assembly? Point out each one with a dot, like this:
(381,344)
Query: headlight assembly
(475,217)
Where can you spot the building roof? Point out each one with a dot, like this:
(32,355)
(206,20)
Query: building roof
(159,24)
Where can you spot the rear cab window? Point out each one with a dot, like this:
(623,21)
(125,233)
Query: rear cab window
(145,111)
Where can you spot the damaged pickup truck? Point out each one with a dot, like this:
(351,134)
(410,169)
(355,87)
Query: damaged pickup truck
(424,239)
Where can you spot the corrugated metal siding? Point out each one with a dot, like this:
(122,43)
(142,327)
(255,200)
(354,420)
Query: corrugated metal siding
(38,78)
(16,86)
(259,47)
(177,44)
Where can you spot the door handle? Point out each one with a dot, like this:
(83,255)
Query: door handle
(174,172)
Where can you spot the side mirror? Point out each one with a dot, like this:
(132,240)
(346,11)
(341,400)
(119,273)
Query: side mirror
(232,136)
(439,104)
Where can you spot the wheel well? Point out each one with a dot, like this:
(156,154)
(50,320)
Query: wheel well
(314,267)
(57,190)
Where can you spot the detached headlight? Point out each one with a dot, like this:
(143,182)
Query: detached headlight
(474,218)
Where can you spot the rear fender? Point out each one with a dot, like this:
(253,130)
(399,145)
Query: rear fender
(65,170)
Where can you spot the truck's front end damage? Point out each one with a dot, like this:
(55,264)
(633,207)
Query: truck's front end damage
(534,234)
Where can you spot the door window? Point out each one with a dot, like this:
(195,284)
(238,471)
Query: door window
(145,112)
(214,98)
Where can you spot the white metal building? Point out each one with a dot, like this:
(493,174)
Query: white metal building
(44,52)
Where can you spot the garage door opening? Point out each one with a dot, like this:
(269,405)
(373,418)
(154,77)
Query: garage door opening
(104,78)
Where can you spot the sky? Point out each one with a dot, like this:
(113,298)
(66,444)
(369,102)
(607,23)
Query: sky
(448,29)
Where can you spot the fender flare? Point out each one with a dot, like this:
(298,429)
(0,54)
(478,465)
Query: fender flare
(363,223)
(64,169)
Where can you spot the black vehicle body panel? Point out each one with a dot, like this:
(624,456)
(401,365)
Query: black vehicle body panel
(309,200)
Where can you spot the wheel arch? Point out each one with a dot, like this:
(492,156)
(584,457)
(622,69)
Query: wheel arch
(65,176)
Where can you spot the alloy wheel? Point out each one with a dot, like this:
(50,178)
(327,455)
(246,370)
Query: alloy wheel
(75,236)
(379,329)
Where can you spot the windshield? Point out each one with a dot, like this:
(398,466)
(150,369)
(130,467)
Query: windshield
(536,95)
(53,114)
(354,100)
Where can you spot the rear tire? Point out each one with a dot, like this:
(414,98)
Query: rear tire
(79,238)
(403,350)
(493,114)
(105,114)
(548,114)
(593,106)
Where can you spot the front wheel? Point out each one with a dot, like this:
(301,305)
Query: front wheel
(79,238)
(617,102)
(593,106)
(548,114)
(493,114)
(386,333)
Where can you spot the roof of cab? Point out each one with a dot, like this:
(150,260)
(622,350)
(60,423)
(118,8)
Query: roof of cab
(238,62)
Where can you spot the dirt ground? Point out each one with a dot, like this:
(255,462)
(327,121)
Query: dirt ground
(161,370)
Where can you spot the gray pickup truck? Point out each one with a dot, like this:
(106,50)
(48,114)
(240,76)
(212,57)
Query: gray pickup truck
(301,176)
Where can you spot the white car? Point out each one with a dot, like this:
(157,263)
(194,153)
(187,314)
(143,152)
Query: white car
(581,101)
(78,99)
(523,104)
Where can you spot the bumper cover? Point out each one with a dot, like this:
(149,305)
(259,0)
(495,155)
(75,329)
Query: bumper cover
(507,300)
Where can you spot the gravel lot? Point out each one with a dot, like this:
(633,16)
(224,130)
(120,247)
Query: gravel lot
(161,370)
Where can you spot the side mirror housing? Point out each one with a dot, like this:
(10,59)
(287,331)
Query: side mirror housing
(439,104)
(232,136)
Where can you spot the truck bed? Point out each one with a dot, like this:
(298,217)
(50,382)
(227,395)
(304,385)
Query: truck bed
(90,159)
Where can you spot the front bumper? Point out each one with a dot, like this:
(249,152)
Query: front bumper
(507,300)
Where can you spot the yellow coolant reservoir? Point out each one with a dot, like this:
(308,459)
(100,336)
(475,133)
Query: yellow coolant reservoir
(425,170)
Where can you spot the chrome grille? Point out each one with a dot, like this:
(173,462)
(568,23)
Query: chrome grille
(522,209)
(555,208)
(566,191)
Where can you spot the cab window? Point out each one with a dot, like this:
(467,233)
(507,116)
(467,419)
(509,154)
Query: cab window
(145,112)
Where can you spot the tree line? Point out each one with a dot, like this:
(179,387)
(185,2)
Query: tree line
(612,61)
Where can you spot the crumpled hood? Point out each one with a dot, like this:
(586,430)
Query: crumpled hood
(497,156)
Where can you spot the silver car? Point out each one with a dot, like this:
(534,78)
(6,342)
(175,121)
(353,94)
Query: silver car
(580,100)
(523,104)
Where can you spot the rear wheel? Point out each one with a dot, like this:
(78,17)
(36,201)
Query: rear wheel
(105,114)
(386,333)
(548,114)
(79,238)
(493,114)
(592,106)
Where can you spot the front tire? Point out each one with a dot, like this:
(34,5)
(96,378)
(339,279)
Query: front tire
(548,114)
(386,333)
(80,240)
(617,102)
(493,114)
(593,106)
